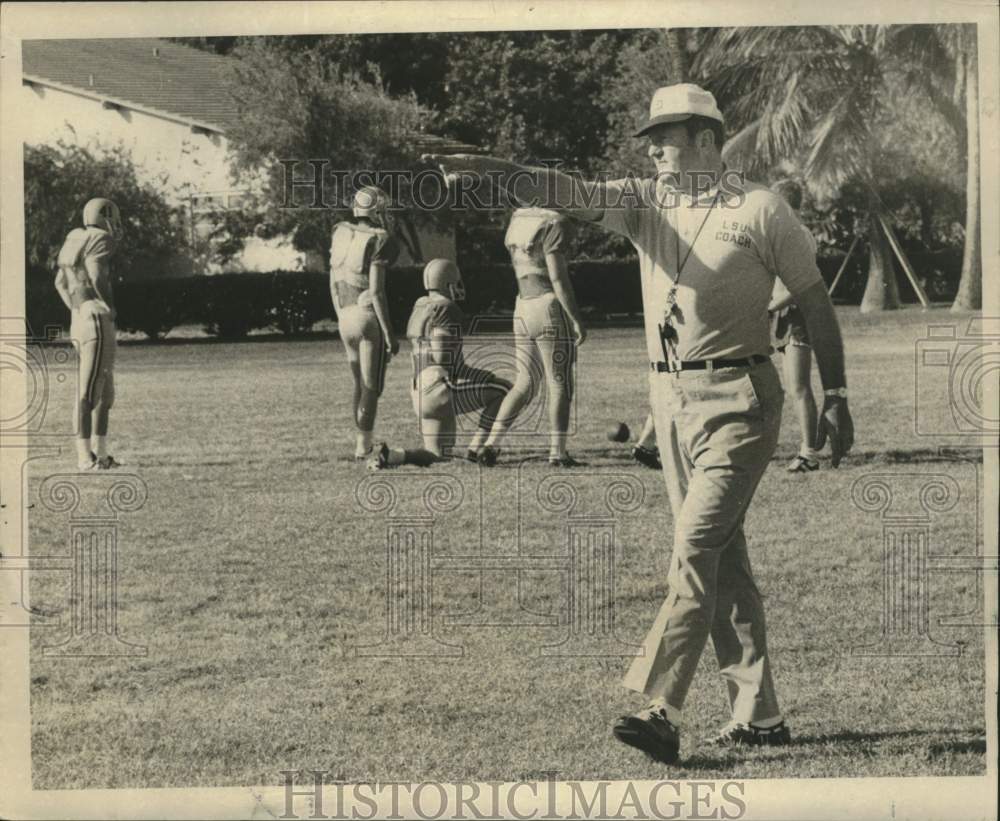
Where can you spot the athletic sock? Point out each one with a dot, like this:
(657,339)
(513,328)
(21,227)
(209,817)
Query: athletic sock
(363,442)
(83,451)
(493,441)
(476,443)
(673,714)
(100,446)
(557,446)
(809,453)
(419,456)
(397,456)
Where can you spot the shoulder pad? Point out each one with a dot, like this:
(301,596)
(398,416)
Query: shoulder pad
(71,247)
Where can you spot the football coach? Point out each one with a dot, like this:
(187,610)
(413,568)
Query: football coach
(710,246)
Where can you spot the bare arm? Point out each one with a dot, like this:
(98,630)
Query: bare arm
(777,303)
(780,297)
(62,286)
(824,335)
(100,276)
(443,347)
(563,288)
(542,187)
(377,274)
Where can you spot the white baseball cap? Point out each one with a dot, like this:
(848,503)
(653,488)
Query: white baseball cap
(673,104)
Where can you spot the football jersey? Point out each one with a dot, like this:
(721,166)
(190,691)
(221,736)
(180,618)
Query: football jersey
(533,233)
(430,312)
(80,245)
(353,249)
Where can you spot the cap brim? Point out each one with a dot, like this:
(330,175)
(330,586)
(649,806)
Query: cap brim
(666,118)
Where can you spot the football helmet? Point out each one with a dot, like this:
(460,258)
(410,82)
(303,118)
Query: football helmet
(443,275)
(373,203)
(103,213)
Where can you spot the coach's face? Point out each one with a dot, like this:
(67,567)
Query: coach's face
(674,153)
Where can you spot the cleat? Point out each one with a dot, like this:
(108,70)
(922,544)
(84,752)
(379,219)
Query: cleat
(736,734)
(488,456)
(380,458)
(650,731)
(84,467)
(366,455)
(471,455)
(108,463)
(650,457)
(566,461)
(802,464)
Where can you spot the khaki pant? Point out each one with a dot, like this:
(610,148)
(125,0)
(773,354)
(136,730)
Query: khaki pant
(716,432)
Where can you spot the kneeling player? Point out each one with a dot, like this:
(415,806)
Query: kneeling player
(443,385)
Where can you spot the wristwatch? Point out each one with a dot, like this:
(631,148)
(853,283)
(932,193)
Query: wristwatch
(838,392)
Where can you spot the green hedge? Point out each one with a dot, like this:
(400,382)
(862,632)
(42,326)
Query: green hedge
(231,305)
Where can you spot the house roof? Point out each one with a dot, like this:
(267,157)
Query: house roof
(158,77)
(146,74)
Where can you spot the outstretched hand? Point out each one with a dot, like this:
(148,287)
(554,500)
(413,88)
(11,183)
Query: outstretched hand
(836,424)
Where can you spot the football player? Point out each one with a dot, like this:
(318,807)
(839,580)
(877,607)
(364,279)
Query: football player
(547,328)
(790,337)
(443,384)
(83,280)
(360,254)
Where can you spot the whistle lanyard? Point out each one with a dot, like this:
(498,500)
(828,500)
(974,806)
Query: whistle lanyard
(677,249)
(667,330)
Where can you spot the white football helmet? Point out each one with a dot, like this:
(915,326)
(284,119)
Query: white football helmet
(443,275)
(373,203)
(104,214)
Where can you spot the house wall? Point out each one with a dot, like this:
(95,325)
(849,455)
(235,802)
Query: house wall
(177,161)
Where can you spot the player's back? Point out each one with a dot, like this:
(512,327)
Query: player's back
(80,245)
(525,239)
(430,312)
(353,246)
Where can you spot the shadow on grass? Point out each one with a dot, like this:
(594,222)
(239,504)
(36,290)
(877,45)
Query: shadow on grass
(850,740)
(856,737)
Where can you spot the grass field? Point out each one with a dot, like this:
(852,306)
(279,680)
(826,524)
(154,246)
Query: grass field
(252,574)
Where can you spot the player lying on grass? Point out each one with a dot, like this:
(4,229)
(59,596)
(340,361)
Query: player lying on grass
(84,284)
(360,253)
(443,384)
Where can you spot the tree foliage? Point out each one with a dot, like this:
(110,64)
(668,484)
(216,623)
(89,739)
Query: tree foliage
(311,108)
(824,98)
(59,180)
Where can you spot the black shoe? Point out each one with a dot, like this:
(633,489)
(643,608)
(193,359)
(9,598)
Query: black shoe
(488,456)
(380,457)
(650,731)
(471,455)
(735,734)
(650,457)
(566,461)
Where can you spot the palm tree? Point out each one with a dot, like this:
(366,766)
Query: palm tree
(815,94)
(959,42)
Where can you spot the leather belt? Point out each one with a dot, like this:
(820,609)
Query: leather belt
(706,364)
